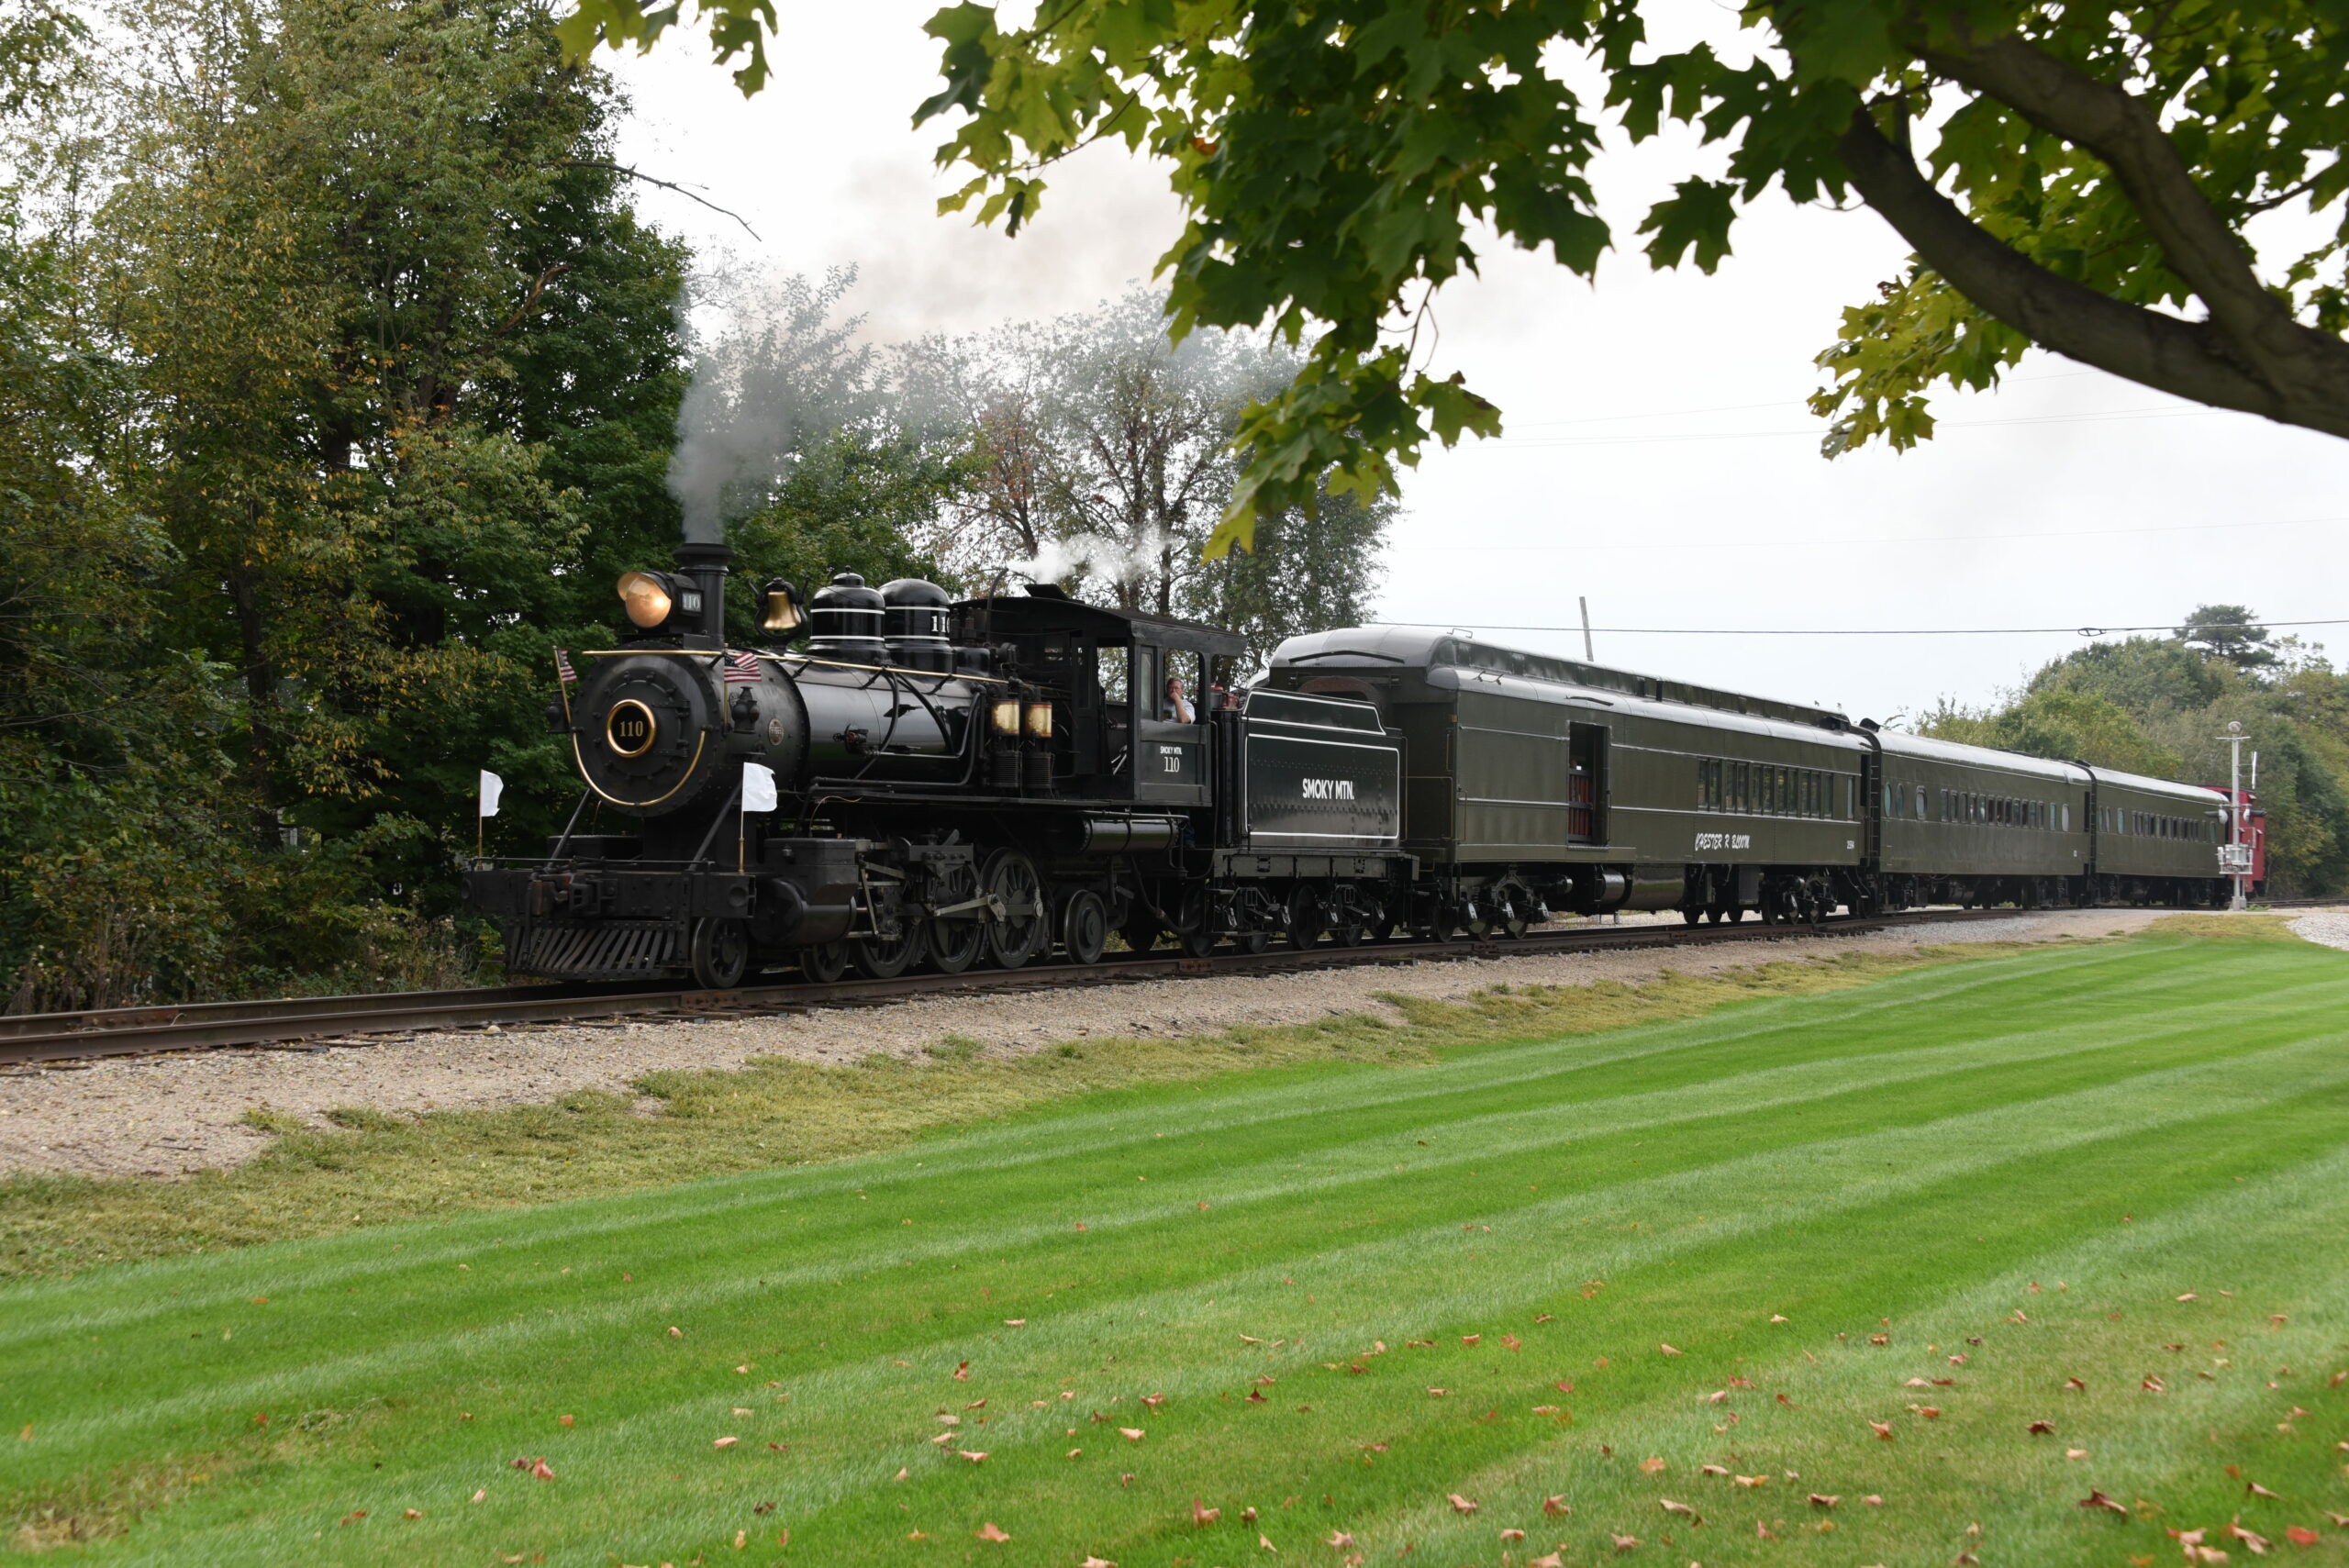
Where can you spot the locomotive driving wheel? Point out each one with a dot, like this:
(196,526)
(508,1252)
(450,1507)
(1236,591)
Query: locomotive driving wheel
(1023,927)
(886,958)
(721,952)
(824,962)
(955,940)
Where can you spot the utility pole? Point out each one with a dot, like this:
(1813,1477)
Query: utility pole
(2236,857)
(1588,657)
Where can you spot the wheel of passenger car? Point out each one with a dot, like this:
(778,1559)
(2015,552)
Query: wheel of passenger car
(719,952)
(1025,925)
(1085,927)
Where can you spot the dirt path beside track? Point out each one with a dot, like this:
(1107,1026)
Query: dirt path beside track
(170,1115)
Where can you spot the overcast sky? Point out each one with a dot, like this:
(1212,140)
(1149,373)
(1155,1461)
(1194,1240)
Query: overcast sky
(1658,459)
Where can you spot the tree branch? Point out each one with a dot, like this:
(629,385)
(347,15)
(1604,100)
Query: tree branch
(684,191)
(2188,358)
(530,300)
(2302,364)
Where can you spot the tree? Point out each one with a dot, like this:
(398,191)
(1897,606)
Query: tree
(2076,179)
(1103,456)
(387,303)
(2226,631)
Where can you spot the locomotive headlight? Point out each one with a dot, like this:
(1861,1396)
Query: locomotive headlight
(646,597)
(1004,718)
(1039,721)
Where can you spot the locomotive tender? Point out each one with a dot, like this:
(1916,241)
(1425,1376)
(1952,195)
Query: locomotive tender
(991,779)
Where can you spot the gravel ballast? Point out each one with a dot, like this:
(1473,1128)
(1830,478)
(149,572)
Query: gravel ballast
(2327,927)
(172,1116)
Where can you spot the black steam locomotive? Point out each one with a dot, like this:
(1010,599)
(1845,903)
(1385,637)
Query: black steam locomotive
(991,779)
(955,783)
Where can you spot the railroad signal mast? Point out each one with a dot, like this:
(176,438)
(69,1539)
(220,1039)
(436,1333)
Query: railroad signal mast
(2234,855)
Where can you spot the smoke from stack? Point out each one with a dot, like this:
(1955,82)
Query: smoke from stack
(772,372)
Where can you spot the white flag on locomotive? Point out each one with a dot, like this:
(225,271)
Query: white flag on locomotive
(758,787)
(492,786)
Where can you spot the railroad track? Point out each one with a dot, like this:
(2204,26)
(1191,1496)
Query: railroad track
(35,1037)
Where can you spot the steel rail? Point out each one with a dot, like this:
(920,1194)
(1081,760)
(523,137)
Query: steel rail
(211,1026)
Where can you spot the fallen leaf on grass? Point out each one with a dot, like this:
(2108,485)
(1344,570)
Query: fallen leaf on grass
(2153,1385)
(1882,1430)
(2073,1385)
(1438,1393)
(2258,1543)
(1824,1499)
(1339,1540)
(1667,1350)
(1512,1535)
(1751,1480)
(1550,1560)
(1014,1322)
(354,1516)
(1264,1542)
(1460,1504)
(675,1332)
(2039,1428)
(1926,1411)
(1652,1465)
(725,1442)
(539,1468)
(2300,1535)
(1556,1507)
(2075,1453)
(1672,1508)
(962,1372)
(988,1531)
(1469,1339)
(978,1458)
(1093,1561)
(1154,1400)
(2097,1499)
(1132,1434)
(1712,1470)
(1623,1542)
(481,1494)
(1204,1517)
(1076,1452)
(2257,1490)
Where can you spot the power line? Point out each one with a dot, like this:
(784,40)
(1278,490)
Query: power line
(1781,545)
(2106,415)
(1841,631)
(1749,407)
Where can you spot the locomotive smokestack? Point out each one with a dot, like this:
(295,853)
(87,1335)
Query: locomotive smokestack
(705,561)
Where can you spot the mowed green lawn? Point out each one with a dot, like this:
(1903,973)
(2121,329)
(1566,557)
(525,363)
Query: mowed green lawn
(1409,1311)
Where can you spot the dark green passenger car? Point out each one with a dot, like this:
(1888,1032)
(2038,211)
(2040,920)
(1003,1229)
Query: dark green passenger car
(1534,783)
